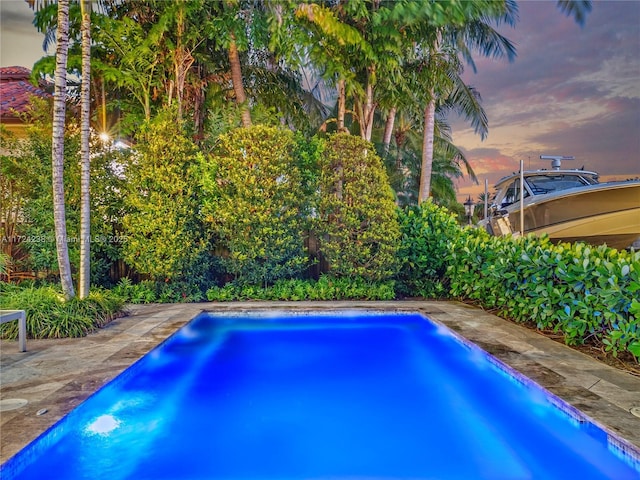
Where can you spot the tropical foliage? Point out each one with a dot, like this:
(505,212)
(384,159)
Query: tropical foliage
(588,294)
(50,316)
(165,236)
(256,203)
(27,205)
(198,201)
(356,223)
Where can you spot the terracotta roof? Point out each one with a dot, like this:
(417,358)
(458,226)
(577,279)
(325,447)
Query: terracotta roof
(11,74)
(16,91)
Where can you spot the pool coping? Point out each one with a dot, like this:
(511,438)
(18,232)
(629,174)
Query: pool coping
(54,376)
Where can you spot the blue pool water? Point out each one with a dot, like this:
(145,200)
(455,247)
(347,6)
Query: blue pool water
(340,396)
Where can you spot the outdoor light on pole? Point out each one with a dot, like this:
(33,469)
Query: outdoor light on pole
(468,208)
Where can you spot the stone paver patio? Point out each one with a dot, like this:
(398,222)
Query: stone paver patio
(54,376)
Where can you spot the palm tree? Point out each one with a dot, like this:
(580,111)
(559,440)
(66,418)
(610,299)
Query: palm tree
(57,153)
(579,9)
(234,14)
(443,51)
(362,43)
(84,281)
(478,35)
(58,146)
(404,163)
(332,44)
(238,84)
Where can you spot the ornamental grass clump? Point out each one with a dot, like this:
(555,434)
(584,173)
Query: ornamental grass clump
(50,316)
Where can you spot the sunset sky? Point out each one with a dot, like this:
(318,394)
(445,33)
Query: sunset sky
(571,90)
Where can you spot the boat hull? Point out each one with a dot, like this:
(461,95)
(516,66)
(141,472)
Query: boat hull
(597,214)
(617,230)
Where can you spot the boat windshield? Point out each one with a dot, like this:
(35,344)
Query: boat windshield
(541,184)
(509,195)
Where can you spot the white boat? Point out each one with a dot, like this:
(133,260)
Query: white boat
(568,205)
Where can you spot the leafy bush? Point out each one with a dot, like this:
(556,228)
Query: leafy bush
(26,204)
(325,288)
(426,235)
(49,316)
(165,237)
(356,226)
(256,189)
(589,294)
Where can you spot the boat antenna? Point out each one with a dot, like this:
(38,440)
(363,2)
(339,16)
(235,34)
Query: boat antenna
(556,160)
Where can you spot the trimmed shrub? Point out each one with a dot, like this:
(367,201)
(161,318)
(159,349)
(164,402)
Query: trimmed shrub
(165,236)
(587,293)
(256,203)
(356,224)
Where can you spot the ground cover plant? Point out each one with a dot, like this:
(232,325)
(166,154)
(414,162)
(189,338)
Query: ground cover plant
(325,288)
(152,291)
(50,316)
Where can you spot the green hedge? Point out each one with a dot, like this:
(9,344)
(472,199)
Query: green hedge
(255,203)
(589,294)
(356,223)
(165,237)
(426,234)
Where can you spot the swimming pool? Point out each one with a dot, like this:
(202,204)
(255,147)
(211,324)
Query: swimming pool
(332,396)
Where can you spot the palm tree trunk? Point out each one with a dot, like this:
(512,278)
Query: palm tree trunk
(427,149)
(85,165)
(238,86)
(400,139)
(388,129)
(57,150)
(429,131)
